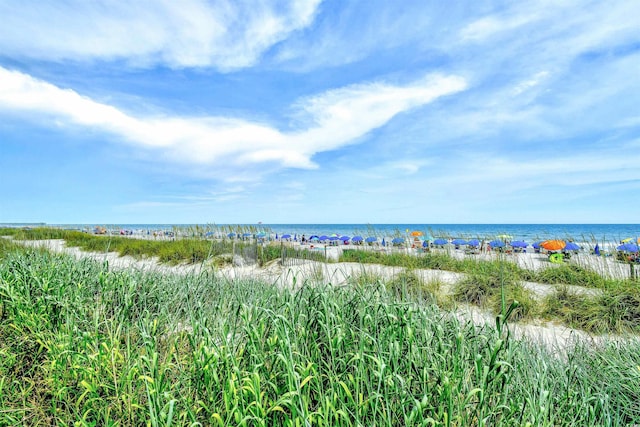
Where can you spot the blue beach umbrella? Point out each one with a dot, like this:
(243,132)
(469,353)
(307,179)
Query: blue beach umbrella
(458,242)
(628,247)
(371,239)
(357,239)
(285,236)
(571,246)
(323,237)
(334,238)
(345,238)
(474,243)
(536,245)
(440,242)
(231,235)
(383,242)
(596,250)
(497,244)
(397,241)
(519,244)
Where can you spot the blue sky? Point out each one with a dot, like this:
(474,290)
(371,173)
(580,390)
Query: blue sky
(320,111)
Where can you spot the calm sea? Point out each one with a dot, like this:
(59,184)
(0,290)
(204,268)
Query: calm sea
(527,232)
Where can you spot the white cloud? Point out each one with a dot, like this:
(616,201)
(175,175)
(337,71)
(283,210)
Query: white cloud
(226,34)
(334,119)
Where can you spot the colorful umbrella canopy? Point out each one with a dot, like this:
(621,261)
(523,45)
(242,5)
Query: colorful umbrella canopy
(345,238)
(398,241)
(519,244)
(628,247)
(536,245)
(459,242)
(473,243)
(357,239)
(571,246)
(371,239)
(497,244)
(553,245)
(417,233)
(627,240)
(440,242)
(323,237)
(286,236)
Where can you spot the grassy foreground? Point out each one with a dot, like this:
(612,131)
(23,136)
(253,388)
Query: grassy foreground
(81,345)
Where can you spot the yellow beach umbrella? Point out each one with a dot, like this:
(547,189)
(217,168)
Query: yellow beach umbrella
(627,240)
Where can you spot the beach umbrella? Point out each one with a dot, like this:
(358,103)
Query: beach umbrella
(519,244)
(628,247)
(627,240)
(553,245)
(440,242)
(371,239)
(458,242)
(536,245)
(473,243)
(285,236)
(295,237)
(231,235)
(356,239)
(323,237)
(571,246)
(397,241)
(262,234)
(314,238)
(417,233)
(345,238)
(497,244)
(383,242)
(596,250)
(425,244)
(505,236)
(334,238)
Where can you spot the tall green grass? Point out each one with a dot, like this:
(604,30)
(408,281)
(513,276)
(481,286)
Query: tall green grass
(82,345)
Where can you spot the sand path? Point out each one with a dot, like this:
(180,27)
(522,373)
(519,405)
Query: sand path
(553,336)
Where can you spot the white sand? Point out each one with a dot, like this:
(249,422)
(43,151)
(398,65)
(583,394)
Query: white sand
(338,274)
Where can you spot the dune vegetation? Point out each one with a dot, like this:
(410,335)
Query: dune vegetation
(84,345)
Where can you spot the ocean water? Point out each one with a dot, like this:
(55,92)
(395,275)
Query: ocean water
(526,232)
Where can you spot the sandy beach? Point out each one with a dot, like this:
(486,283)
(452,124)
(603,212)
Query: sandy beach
(551,335)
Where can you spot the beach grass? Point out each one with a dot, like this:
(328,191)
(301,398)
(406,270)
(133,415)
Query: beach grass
(84,345)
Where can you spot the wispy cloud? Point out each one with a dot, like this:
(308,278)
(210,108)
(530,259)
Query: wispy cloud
(331,120)
(192,33)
